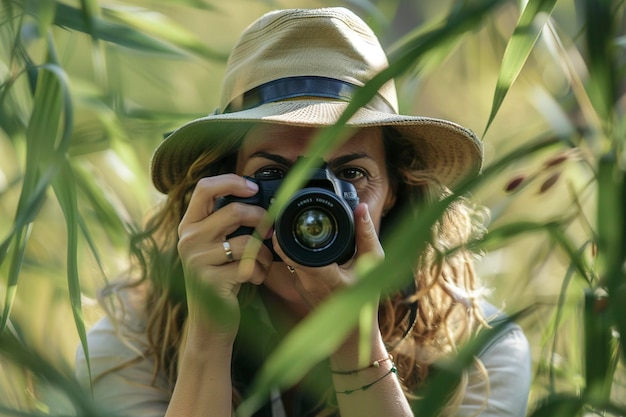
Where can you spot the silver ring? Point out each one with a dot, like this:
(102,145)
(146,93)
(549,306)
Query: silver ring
(228,251)
(291,269)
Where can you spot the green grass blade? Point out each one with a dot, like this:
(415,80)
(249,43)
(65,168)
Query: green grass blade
(64,187)
(524,37)
(611,220)
(559,316)
(59,375)
(48,103)
(611,237)
(559,405)
(175,41)
(45,15)
(602,56)
(19,248)
(160,26)
(599,347)
(109,216)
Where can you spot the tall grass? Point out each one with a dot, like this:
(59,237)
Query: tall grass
(87,88)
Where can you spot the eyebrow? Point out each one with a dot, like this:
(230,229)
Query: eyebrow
(344,159)
(272,157)
(340,160)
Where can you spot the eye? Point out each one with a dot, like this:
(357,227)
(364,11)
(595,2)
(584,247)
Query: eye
(270,173)
(352,174)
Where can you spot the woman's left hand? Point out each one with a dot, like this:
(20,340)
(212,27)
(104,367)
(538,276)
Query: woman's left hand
(315,284)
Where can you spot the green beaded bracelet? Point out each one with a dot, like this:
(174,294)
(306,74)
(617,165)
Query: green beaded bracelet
(367,386)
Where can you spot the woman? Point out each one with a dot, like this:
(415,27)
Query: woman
(292,73)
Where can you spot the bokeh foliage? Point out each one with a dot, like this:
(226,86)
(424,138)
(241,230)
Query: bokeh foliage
(88,88)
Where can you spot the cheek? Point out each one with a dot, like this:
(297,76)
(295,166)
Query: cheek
(375,198)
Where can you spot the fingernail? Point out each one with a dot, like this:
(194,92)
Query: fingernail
(252,186)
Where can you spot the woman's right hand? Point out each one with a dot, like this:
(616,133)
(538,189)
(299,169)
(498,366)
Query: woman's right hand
(208,270)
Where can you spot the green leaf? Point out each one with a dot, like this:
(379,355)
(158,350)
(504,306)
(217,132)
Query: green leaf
(174,44)
(611,220)
(40,169)
(59,375)
(160,26)
(611,237)
(64,187)
(45,14)
(602,52)
(600,349)
(524,37)
(19,248)
(559,406)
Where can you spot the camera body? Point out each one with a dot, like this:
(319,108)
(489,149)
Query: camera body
(316,226)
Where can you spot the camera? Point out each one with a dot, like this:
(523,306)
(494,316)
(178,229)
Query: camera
(316,226)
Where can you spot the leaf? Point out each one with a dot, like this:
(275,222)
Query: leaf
(611,237)
(165,29)
(39,171)
(174,44)
(600,37)
(59,376)
(64,187)
(19,248)
(611,220)
(524,37)
(600,352)
(559,406)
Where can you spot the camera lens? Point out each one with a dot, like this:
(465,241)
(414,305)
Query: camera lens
(315,229)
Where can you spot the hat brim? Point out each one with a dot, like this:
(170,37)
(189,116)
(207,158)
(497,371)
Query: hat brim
(447,149)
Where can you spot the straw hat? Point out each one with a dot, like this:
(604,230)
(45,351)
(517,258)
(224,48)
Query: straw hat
(301,67)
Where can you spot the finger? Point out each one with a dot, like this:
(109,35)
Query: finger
(367,241)
(252,256)
(255,262)
(231,217)
(209,233)
(208,188)
(231,258)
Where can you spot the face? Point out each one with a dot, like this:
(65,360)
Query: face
(360,160)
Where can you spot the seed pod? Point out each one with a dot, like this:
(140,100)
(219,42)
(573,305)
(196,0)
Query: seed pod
(556,160)
(514,183)
(547,184)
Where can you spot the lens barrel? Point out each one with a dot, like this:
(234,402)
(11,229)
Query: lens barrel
(316,228)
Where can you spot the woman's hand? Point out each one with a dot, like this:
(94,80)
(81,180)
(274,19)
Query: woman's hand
(315,284)
(203,253)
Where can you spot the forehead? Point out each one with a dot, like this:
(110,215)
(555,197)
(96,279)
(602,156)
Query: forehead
(293,141)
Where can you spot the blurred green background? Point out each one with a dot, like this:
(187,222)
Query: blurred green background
(137,69)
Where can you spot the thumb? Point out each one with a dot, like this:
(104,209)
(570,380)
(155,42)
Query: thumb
(366,236)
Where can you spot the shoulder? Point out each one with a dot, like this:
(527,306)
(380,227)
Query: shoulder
(500,382)
(115,367)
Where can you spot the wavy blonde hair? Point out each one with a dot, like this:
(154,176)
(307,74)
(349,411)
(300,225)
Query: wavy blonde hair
(445,289)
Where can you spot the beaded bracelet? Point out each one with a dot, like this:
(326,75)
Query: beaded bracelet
(374,364)
(366,386)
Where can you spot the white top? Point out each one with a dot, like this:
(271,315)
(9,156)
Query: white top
(128,389)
